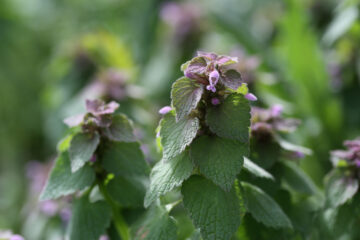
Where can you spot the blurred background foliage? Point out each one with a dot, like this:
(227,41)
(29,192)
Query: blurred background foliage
(56,53)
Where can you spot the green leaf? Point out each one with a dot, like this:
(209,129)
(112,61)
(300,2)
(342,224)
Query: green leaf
(297,179)
(121,129)
(231,119)
(263,208)
(219,159)
(155,225)
(185,94)
(166,175)
(125,159)
(231,79)
(175,136)
(63,182)
(89,220)
(216,212)
(127,191)
(82,147)
(256,170)
(292,147)
(184,66)
(340,189)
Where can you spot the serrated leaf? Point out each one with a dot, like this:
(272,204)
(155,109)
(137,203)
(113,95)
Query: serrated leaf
(166,175)
(62,181)
(121,129)
(155,225)
(256,170)
(185,95)
(231,79)
(82,147)
(231,119)
(197,66)
(219,159)
(340,189)
(125,159)
(216,212)
(127,191)
(297,179)
(89,220)
(175,136)
(263,208)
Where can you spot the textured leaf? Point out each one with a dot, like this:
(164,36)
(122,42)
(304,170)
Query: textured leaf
(185,94)
(231,119)
(216,212)
(155,225)
(340,189)
(256,170)
(297,179)
(89,220)
(121,129)
(219,159)
(127,191)
(231,79)
(125,159)
(263,208)
(166,175)
(82,147)
(197,66)
(62,181)
(175,136)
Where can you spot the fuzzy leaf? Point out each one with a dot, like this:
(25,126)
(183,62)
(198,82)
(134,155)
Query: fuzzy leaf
(155,225)
(128,191)
(175,136)
(89,220)
(219,159)
(166,175)
(340,189)
(263,208)
(197,66)
(297,179)
(82,147)
(256,170)
(62,181)
(185,94)
(231,119)
(121,129)
(216,212)
(231,79)
(125,159)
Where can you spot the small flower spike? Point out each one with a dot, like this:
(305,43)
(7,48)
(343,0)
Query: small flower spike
(165,110)
(251,97)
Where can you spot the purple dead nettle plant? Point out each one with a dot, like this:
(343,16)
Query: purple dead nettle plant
(100,162)
(342,183)
(204,137)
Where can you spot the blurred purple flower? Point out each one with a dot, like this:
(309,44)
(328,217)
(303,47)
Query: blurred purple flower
(16,237)
(351,155)
(251,97)
(277,110)
(165,110)
(104,237)
(215,101)
(49,208)
(93,158)
(98,107)
(65,214)
(74,121)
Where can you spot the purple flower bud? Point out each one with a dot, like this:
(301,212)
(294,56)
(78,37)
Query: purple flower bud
(215,101)
(104,237)
(251,97)
(277,110)
(49,207)
(214,77)
(211,88)
(93,158)
(165,110)
(16,237)
(357,163)
(298,154)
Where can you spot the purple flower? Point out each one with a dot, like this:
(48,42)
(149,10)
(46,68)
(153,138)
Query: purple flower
(277,110)
(104,237)
(299,155)
(74,120)
(98,107)
(165,110)
(16,237)
(351,155)
(49,207)
(213,79)
(251,97)
(215,101)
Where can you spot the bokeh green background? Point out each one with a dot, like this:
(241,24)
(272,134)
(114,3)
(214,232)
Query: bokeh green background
(303,54)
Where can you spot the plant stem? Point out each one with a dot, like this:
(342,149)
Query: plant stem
(120,224)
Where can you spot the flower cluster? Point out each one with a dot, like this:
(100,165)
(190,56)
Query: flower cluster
(211,69)
(267,122)
(347,158)
(98,115)
(8,235)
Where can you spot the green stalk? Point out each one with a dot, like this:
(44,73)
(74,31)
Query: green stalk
(120,224)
